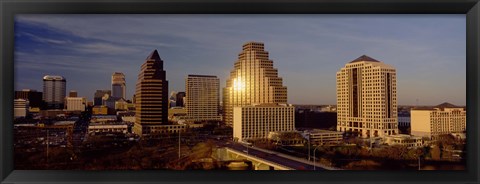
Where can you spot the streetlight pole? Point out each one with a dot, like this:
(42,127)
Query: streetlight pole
(309,148)
(419,163)
(48,142)
(179,131)
(314,161)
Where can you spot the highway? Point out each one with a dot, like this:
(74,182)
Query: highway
(274,157)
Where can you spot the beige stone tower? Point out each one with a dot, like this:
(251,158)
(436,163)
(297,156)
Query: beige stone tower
(367,98)
(253,80)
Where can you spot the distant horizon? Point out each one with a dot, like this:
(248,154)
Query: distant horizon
(428,51)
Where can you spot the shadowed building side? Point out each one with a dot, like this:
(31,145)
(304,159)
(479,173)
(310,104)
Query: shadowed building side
(151,98)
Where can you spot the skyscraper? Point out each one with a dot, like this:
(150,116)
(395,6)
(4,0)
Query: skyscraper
(253,80)
(99,94)
(180,96)
(151,96)
(118,85)
(202,96)
(54,91)
(367,98)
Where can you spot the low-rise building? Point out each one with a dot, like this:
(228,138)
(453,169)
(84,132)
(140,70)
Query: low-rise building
(21,107)
(107,128)
(127,116)
(155,130)
(404,140)
(75,103)
(103,118)
(121,104)
(256,121)
(291,138)
(321,137)
(439,120)
(100,110)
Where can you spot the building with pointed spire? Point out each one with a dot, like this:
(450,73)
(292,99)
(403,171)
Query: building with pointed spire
(253,80)
(151,96)
(367,98)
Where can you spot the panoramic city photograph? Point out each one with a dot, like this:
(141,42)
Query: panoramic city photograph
(239,92)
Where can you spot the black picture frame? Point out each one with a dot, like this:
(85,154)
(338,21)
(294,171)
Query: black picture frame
(9,8)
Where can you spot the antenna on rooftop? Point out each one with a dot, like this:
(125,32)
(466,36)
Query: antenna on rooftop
(417,102)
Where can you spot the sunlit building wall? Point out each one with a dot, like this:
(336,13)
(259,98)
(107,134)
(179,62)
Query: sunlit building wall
(253,80)
(439,120)
(256,121)
(20,107)
(367,98)
(75,103)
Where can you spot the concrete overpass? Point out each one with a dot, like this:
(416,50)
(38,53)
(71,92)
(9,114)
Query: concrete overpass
(258,162)
(265,159)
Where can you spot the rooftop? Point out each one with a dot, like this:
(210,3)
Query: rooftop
(210,76)
(154,55)
(364,58)
(439,106)
(53,77)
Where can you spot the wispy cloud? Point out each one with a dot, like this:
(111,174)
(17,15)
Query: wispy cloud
(307,49)
(46,40)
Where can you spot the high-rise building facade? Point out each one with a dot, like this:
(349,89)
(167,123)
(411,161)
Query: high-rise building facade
(180,97)
(118,85)
(256,121)
(54,91)
(99,94)
(253,80)
(367,98)
(202,97)
(75,103)
(34,97)
(151,96)
(439,120)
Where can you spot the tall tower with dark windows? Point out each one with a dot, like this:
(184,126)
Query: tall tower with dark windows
(54,91)
(253,80)
(151,96)
(367,98)
(202,97)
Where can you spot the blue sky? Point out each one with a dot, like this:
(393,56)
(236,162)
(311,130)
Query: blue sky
(428,51)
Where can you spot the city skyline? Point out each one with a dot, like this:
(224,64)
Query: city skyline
(72,43)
